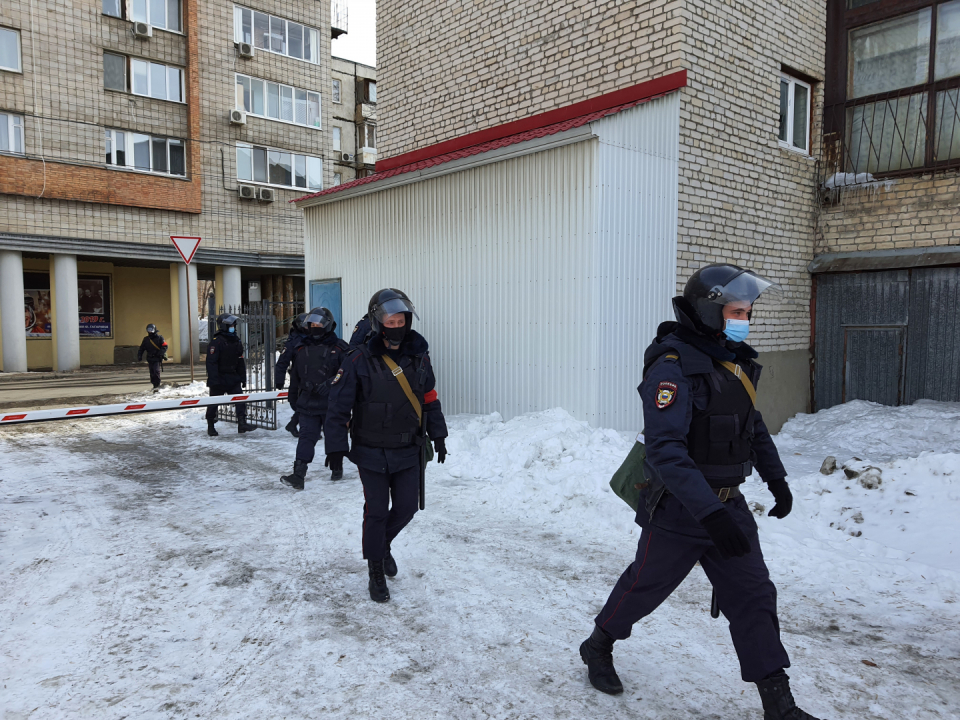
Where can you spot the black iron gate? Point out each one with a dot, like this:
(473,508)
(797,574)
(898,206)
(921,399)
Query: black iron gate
(257,330)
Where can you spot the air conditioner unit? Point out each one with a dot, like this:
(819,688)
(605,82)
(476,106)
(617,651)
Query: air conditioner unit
(267,195)
(248,192)
(346,157)
(238,117)
(245,49)
(142,30)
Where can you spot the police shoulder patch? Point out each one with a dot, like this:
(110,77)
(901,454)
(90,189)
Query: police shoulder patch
(666,394)
(213,349)
(336,379)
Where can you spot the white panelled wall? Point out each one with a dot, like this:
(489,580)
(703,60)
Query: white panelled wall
(539,279)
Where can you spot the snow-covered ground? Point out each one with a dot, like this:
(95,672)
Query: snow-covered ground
(147,571)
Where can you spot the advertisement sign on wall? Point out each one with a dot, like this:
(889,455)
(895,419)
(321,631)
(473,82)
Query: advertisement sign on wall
(93,300)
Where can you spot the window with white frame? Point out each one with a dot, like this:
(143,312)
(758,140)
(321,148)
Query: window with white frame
(164,14)
(278,167)
(11,133)
(274,34)
(277,101)
(337,178)
(155,80)
(146,153)
(114,8)
(9,49)
(371,91)
(794,113)
(336,139)
(368,135)
(337,90)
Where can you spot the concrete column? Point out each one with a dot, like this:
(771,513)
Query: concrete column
(187,286)
(11,311)
(232,294)
(66,326)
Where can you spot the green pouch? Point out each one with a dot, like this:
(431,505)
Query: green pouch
(629,479)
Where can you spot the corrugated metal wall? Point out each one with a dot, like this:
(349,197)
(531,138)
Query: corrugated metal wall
(529,301)
(890,337)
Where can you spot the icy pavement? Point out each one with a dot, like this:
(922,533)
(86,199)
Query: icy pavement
(147,571)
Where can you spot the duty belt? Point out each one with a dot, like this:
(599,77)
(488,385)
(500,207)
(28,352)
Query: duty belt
(727,493)
(398,439)
(740,470)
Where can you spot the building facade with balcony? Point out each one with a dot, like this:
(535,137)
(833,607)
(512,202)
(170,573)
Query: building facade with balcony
(128,121)
(354,120)
(886,276)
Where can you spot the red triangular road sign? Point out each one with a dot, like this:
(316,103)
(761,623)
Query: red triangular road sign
(186,246)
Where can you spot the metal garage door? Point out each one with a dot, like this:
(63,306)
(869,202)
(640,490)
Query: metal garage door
(891,337)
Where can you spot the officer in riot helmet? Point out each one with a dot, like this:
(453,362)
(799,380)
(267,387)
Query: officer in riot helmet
(155,348)
(315,363)
(703,437)
(226,371)
(296,335)
(392,369)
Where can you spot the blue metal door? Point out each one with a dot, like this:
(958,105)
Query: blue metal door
(326,293)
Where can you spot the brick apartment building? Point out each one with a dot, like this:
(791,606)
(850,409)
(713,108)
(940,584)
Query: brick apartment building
(123,122)
(644,138)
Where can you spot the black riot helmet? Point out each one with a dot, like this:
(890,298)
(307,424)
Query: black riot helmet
(151,328)
(227,321)
(390,301)
(297,323)
(711,287)
(323,318)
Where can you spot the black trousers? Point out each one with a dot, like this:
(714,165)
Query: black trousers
(231,389)
(310,428)
(156,367)
(383,520)
(669,548)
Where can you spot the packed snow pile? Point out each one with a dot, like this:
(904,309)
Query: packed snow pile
(149,571)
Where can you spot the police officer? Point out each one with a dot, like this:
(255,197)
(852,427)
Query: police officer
(386,427)
(155,348)
(361,332)
(226,371)
(296,335)
(703,435)
(315,363)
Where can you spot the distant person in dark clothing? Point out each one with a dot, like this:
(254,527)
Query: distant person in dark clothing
(155,348)
(296,336)
(226,371)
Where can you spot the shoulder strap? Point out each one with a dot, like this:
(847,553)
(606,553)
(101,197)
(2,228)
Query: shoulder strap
(738,371)
(153,343)
(402,379)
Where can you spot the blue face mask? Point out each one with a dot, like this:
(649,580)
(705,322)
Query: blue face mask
(231,329)
(737,330)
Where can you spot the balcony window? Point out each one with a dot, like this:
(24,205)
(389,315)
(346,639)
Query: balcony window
(11,133)
(275,34)
(163,14)
(271,166)
(898,111)
(146,153)
(278,102)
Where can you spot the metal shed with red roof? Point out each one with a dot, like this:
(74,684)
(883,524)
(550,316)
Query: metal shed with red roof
(541,254)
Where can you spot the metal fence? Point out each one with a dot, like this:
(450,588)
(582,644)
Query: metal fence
(257,329)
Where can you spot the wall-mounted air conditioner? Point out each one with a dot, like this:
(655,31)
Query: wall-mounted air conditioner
(238,117)
(267,195)
(346,157)
(248,192)
(245,49)
(142,30)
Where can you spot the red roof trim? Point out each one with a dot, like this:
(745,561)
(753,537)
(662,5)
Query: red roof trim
(648,89)
(537,130)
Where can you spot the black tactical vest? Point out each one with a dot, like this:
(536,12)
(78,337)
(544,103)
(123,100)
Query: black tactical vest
(719,440)
(383,416)
(230,350)
(316,365)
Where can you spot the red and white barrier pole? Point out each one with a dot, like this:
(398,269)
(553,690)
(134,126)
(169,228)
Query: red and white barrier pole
(30,416)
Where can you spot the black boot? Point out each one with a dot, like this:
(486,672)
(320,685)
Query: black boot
(379,592)
(295,479)
(211,430)
(292,428)
(597,654)
(336,472)
(778,703)
(243,426)
(389,565)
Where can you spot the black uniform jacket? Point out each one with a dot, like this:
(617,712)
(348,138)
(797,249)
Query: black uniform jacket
(286,357)
(154,346)
(363,373)
(315,363)
(361,331)
(225,364)
(677,388)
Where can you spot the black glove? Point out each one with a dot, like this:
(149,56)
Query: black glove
(279,386)
(782,496)
(726,535)
(243,383)
(440,448)
(334,460)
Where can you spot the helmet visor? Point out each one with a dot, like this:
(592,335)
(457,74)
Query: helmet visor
(745,289)
(228,320)
(322,319)
(394,306)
